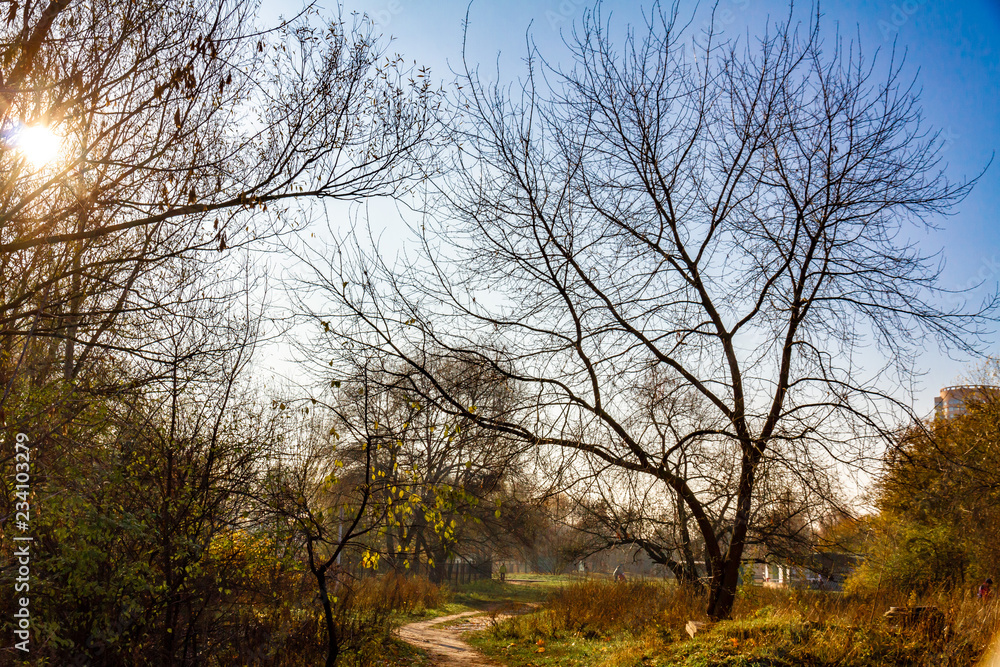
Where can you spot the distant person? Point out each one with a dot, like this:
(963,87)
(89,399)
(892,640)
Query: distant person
(619,574)
(985,590)
(503,572)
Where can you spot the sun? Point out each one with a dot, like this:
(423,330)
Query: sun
(38,144)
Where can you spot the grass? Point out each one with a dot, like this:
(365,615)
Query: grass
(369,609)
(396,653)
(483,595)
(409,599)
(603,624)
(486,594)
(546,579)
(401,594)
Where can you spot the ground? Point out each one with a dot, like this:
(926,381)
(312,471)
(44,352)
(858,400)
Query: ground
(490,602)
(443,642)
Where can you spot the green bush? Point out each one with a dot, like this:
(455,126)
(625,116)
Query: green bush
(908,556)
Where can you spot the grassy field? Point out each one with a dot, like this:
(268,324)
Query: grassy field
(484,595)
(487,593)
(599,623)
(602,624)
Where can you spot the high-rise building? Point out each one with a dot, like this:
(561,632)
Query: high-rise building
(952,401)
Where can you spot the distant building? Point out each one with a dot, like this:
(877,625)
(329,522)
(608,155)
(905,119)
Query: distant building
(823,571)
(952,401)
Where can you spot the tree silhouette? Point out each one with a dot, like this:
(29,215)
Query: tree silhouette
(735,219)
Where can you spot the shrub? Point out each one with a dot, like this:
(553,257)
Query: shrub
(912,557)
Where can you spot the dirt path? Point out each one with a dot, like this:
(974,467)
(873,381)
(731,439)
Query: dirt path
(444,645)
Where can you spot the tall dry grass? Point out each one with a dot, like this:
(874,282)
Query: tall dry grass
(597,608)
(769,626)
(365,613)
(397,593)
(969,624)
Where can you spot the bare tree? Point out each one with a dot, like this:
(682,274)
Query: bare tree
(735,218)
(453,471)
(621,508)
(174,130)
(618,507)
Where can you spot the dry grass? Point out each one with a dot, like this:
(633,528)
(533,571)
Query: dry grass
(968,623)
(397,593)
(597,609)
(642,623)
(365,613)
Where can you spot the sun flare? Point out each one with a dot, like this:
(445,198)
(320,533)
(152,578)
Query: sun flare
(38,144)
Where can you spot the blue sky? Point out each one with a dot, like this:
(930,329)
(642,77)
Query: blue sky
(953,47)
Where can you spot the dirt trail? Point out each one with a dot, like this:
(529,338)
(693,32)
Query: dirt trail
(444,644)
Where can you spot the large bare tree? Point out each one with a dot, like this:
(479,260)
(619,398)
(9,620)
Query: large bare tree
(736,218)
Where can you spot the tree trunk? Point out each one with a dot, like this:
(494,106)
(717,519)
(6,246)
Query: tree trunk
(723,591)
(439,573)
(726,574)
(332,645)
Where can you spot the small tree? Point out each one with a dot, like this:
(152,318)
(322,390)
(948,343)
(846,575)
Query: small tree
(937,498)
(455,472)
(323,496)
(333,489)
